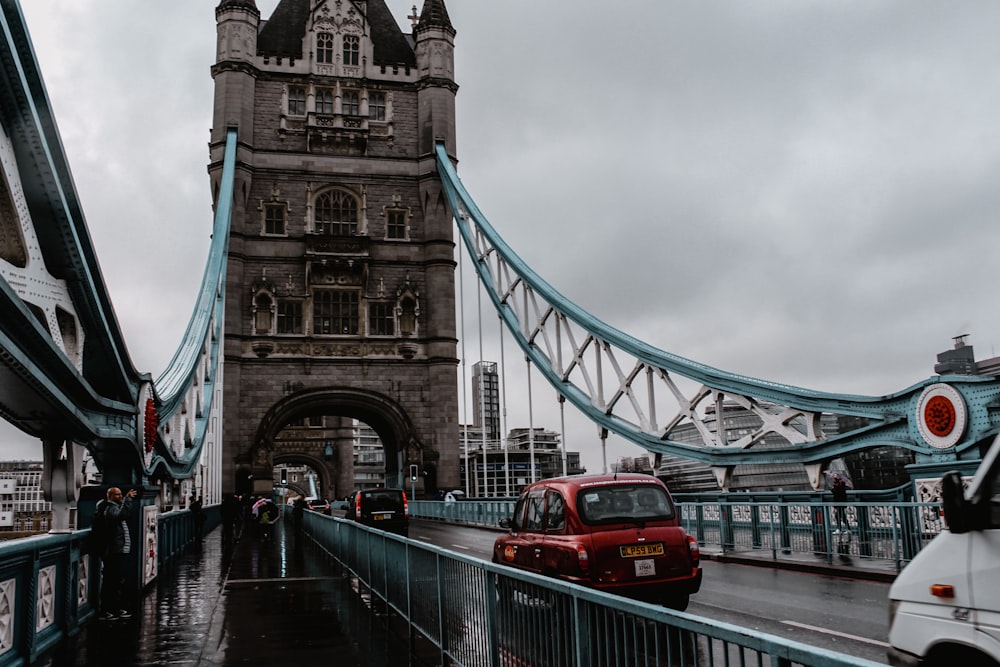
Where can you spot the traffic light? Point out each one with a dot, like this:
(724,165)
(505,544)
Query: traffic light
(413,472)
(284,475)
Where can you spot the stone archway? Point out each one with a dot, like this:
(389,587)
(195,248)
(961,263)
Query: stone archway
(325,484)
(380,412)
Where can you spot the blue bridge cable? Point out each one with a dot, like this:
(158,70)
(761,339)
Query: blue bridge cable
(889,415)
(204,332)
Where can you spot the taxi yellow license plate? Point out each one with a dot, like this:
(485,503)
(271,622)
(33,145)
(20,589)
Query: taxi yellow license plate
(638,550)
(378,517)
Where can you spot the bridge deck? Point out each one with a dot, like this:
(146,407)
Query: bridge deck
(281,602)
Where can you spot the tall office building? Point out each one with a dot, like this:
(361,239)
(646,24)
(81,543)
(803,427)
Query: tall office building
(486,399)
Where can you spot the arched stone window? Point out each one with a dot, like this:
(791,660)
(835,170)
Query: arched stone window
(324,48)
(352,49)
(336,213)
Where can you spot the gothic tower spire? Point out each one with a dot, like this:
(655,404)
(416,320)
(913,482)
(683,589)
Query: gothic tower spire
(435,14)
(435,49)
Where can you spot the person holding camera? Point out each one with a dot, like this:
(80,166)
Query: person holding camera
(114,511)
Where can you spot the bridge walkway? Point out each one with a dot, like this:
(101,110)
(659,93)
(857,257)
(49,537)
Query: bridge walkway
(286,601)
(279,602)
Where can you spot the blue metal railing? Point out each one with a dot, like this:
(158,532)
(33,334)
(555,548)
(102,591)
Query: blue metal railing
(478,614)
(892,533)
(886,532)
(483,513)
(50,584)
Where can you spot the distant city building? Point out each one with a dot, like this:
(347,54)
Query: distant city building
(960,360)
(877,468)
(500,471)
(369,459)
(503,468)
(486,399)
(639,464)
(23,509)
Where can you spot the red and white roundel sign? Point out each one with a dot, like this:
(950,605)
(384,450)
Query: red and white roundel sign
(941,416)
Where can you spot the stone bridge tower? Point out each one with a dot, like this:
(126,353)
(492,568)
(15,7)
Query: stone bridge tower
(340,291)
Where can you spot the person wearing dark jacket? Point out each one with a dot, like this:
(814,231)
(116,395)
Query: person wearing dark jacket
(840,510)
(115,511)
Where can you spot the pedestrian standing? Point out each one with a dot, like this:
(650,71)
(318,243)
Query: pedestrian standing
(839,491)
(298,513)
(198,514)
(230,511)
(115,511)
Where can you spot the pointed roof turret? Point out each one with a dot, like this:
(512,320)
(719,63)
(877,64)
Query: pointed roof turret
(434,15)
(234,4)
(283,33)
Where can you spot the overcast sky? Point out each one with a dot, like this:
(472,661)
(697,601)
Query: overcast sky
(801,191)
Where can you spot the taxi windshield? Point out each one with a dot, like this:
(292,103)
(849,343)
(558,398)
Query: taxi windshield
(620,503)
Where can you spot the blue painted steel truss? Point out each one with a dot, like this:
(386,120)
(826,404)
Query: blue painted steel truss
(643,393)
(65,372)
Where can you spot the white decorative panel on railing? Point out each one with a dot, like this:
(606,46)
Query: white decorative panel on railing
(8,600)
(83,581)
(46,602)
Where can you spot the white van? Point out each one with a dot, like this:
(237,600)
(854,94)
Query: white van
(944,607)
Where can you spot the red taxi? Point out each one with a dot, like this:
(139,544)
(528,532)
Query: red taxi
(617,533)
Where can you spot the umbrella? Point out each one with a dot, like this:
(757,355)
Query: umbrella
(257,505)
(842,476)
(267,506)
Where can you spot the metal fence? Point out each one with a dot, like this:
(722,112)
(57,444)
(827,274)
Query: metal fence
(50,584)
(485,513)
(478,614)
(878,532)
(889,533)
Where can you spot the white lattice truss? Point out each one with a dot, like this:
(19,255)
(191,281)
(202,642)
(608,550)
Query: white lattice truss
(621,384)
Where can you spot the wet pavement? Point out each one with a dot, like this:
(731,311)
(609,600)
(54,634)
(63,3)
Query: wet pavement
(279,602)
(848,566)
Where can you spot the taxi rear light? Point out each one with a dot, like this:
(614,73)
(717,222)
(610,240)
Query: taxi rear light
(406,506)
(943,590)
(694,550)
(582,558)
(357,507)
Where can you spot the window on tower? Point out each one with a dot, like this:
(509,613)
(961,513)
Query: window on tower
(296,101)
(352,49)
(335,312)
(274,219)
(336,214)
(376,106)
(350,104)
(324,48)
(289,317)
(324,101)
(381,321)
(395,226)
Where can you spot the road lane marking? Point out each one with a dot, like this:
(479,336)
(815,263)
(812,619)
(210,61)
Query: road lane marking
(844,635)
(460,546)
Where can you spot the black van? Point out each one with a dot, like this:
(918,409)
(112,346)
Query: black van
(385,509)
